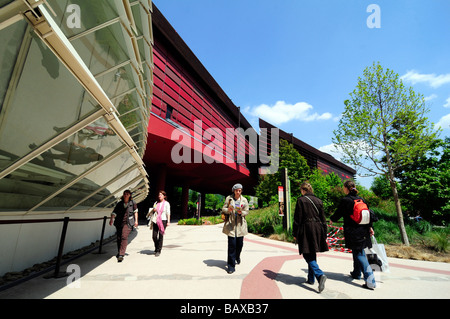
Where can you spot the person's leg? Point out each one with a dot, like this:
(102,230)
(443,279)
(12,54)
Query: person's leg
(239,245)
(314,271)
(231,260)
(124,240)
(308,258)
(118,239)
(356,273)
(155,236)
(313,267)
(161,237)
(359,257)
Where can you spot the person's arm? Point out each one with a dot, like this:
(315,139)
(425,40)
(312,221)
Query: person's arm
(113,216)
(227,209)
(135,214)
(168,213)
(245,208)
(339,212)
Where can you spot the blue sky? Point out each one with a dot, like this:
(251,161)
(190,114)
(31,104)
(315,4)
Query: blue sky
(294,62)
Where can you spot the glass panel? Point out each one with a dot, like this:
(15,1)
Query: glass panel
(127,103)
(102,49)
(92,182)
(141,49)
(90,14)
(47,98)
(136,9)
(45,174)
(117,81)
(113,187)
(8,54)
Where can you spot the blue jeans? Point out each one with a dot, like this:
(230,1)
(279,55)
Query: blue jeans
(361,265)
(235,245)
(313,268)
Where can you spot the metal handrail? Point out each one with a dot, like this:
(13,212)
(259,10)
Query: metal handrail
(65,221)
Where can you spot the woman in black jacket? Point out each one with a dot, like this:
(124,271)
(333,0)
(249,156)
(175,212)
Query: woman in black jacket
(357,236)
(124,217)
(310,230)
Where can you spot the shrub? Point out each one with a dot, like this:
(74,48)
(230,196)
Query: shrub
(263,221)
(439,241)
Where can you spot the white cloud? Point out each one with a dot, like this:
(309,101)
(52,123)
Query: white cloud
(447,104)
(431,97)
(432,80)
(331,149)
(444,122)
(282,112)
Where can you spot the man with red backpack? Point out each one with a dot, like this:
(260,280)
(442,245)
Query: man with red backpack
(357,231)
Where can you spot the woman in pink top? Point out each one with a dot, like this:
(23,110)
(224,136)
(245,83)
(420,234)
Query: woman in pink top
(160,219)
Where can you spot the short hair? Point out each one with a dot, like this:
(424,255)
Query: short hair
(164,193)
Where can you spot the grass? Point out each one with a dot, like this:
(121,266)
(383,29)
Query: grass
(207,220)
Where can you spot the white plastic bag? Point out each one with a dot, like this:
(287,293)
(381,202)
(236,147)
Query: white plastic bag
(381,254)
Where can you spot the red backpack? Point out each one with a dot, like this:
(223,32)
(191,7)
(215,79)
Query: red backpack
(361,213)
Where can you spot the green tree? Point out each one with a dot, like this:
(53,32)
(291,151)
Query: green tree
(426,183)
(298,172)
(327,187)
(383,128)
(381,187)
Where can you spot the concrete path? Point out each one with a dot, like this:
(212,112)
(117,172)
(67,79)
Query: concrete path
(192,265)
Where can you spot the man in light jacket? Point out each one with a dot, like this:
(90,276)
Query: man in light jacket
(235,209)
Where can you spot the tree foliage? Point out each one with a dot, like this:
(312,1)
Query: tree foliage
(328,188)
(298,172)
(426,183)
(384,128)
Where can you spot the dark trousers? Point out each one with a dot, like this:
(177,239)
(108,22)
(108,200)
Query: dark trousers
(158,237)
(122,239)
(235,245)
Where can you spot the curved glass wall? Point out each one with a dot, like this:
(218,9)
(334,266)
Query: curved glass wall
(62,147)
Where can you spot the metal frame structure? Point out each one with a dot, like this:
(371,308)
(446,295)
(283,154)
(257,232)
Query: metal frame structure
(40,17)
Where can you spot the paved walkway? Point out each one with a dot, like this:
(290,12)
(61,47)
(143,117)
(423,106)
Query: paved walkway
(192,265)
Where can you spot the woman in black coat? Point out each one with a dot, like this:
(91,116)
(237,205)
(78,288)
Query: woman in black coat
(124,217)
(357,237)
(310,230)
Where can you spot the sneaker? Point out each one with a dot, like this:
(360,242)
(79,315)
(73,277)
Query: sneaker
(367,287)
(157,254)
(119,259)
(352,274)
(322,280)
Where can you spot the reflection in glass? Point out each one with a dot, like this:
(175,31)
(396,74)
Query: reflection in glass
(9,51)
(46,94)
(51,170)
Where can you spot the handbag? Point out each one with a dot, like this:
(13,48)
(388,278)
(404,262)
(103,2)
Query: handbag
(377,255)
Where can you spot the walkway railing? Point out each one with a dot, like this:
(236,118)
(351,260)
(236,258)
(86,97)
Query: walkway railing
(65,221)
